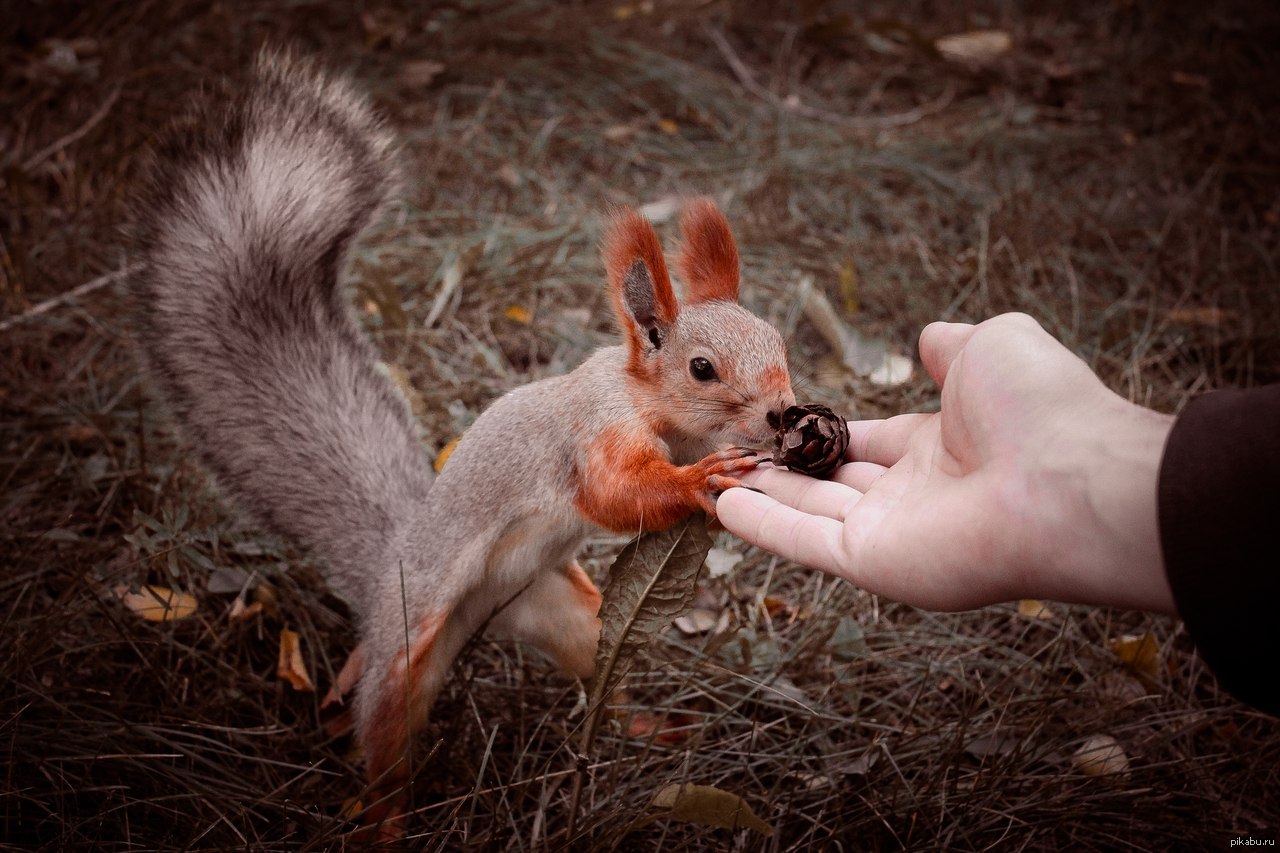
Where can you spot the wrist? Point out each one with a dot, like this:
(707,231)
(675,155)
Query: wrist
(1105,549)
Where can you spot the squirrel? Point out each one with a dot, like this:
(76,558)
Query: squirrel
(249,210)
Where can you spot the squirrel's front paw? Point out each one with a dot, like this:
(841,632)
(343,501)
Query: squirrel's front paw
(735,460)
(718,470)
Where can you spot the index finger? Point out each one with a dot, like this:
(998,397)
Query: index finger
(884,441)
(812,540)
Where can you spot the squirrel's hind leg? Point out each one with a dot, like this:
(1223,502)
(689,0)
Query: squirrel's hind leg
(399,683)
(558,615)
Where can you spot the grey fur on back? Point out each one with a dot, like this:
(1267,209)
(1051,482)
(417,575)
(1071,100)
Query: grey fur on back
(247,218)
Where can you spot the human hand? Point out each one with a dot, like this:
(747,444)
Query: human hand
(1032,481)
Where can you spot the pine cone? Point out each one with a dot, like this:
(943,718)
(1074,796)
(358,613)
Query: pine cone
(812,440)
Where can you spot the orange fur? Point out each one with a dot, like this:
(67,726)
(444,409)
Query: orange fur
(584,586)
(629,485)
(775,380)
(337,717)
(630,238)
(396,718)
(708,260)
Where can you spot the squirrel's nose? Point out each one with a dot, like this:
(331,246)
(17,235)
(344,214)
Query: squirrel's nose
(774,418)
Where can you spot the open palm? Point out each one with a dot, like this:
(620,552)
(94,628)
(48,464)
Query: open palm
(1008,491)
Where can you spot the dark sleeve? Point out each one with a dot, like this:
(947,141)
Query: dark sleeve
(1219,505)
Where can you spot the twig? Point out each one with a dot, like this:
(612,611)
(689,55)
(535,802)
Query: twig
(98,115)
(793,104)
(71,295)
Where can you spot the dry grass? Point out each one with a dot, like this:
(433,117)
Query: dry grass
(1115,175)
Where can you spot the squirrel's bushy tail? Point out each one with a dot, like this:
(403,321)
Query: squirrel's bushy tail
(246,219)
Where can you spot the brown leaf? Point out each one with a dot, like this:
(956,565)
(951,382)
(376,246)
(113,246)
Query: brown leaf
(445,452)
(242,612)
(652,581)
(290,667)
(979,46)
(158,603)
(1140,653)
(710,806)
(418,74)
(697,621)
(849,287)
(675,727)
(1034,608)
(518,314)
(775,606)
(620,132)
(265,594)
(1101,755)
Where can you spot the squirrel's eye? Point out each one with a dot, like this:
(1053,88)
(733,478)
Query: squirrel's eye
(702,370)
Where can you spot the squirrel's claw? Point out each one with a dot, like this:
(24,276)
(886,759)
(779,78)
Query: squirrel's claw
(735,460)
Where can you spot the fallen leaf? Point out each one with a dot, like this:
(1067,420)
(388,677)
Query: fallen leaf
(814,781)
(265,594)
(620,132)
(670,728)
(290,667)
(242,612)
(444,454)
(519,314)
(710,806)
(418,74)
(849,287)
(894,370)
(668,126)
(1140,653)
(650,583)
(849,640)
(697,621)
(721,561)
(1101,755)
(1034,608)
(351,808)
(510,176)
(661,210)
(978,46)
(158,603)
(775,606)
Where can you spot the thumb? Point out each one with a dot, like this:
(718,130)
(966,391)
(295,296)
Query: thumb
(940,343)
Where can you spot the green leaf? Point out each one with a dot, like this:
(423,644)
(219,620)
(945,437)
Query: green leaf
(141,517)
(192,555)
(710,806)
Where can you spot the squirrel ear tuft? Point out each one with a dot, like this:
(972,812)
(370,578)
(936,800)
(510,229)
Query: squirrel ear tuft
(638,280)
(709,258)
